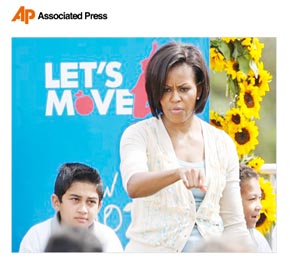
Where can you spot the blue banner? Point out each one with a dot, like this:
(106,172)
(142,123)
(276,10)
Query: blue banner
(71,100)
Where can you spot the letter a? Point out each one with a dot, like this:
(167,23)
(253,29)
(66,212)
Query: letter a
(24,15)
(20,14)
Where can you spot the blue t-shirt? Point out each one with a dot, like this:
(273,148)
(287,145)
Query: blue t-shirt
(195,237)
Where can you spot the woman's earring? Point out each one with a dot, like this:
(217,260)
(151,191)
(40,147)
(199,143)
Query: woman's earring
(198,98)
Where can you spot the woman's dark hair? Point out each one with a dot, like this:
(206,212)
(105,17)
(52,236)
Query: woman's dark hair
(72,172)
(162,61)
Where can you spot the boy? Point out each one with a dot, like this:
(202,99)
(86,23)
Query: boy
(77,199)
(251,199)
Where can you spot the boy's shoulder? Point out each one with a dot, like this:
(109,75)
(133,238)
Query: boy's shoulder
(102,228)
(44,225)
(36,237)
(107,237)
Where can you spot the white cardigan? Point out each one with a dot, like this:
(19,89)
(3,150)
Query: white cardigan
(163,222)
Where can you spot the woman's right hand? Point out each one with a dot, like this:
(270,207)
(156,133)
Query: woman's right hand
(193,178)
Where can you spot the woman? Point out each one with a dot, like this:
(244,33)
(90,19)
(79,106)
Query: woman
(181,172)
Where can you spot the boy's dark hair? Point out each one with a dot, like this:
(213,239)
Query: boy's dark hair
(76,172)
(166,58)
(73,239)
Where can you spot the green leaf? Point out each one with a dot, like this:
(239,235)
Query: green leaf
(215,43)
(232,88)
(240,50)
(225,49)
(244,64)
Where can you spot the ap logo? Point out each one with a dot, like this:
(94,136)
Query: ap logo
(24,15)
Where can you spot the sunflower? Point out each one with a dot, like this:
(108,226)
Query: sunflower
(234,120)
(268,213)
(256,163)
(249,101)
(232,69)
(217,60)
(247,42)
(254,47)
(245,137)
(216,120)
(228,40)
(259,79)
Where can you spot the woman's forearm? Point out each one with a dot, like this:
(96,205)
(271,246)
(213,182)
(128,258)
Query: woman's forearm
(144,184)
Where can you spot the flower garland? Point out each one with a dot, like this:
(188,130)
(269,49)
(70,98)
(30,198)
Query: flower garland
(247,84)
(268,213)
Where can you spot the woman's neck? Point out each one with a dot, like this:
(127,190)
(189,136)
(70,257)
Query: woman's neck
(191,125)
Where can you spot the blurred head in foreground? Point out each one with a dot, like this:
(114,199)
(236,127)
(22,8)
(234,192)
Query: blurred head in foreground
(73,239)
(224,244)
